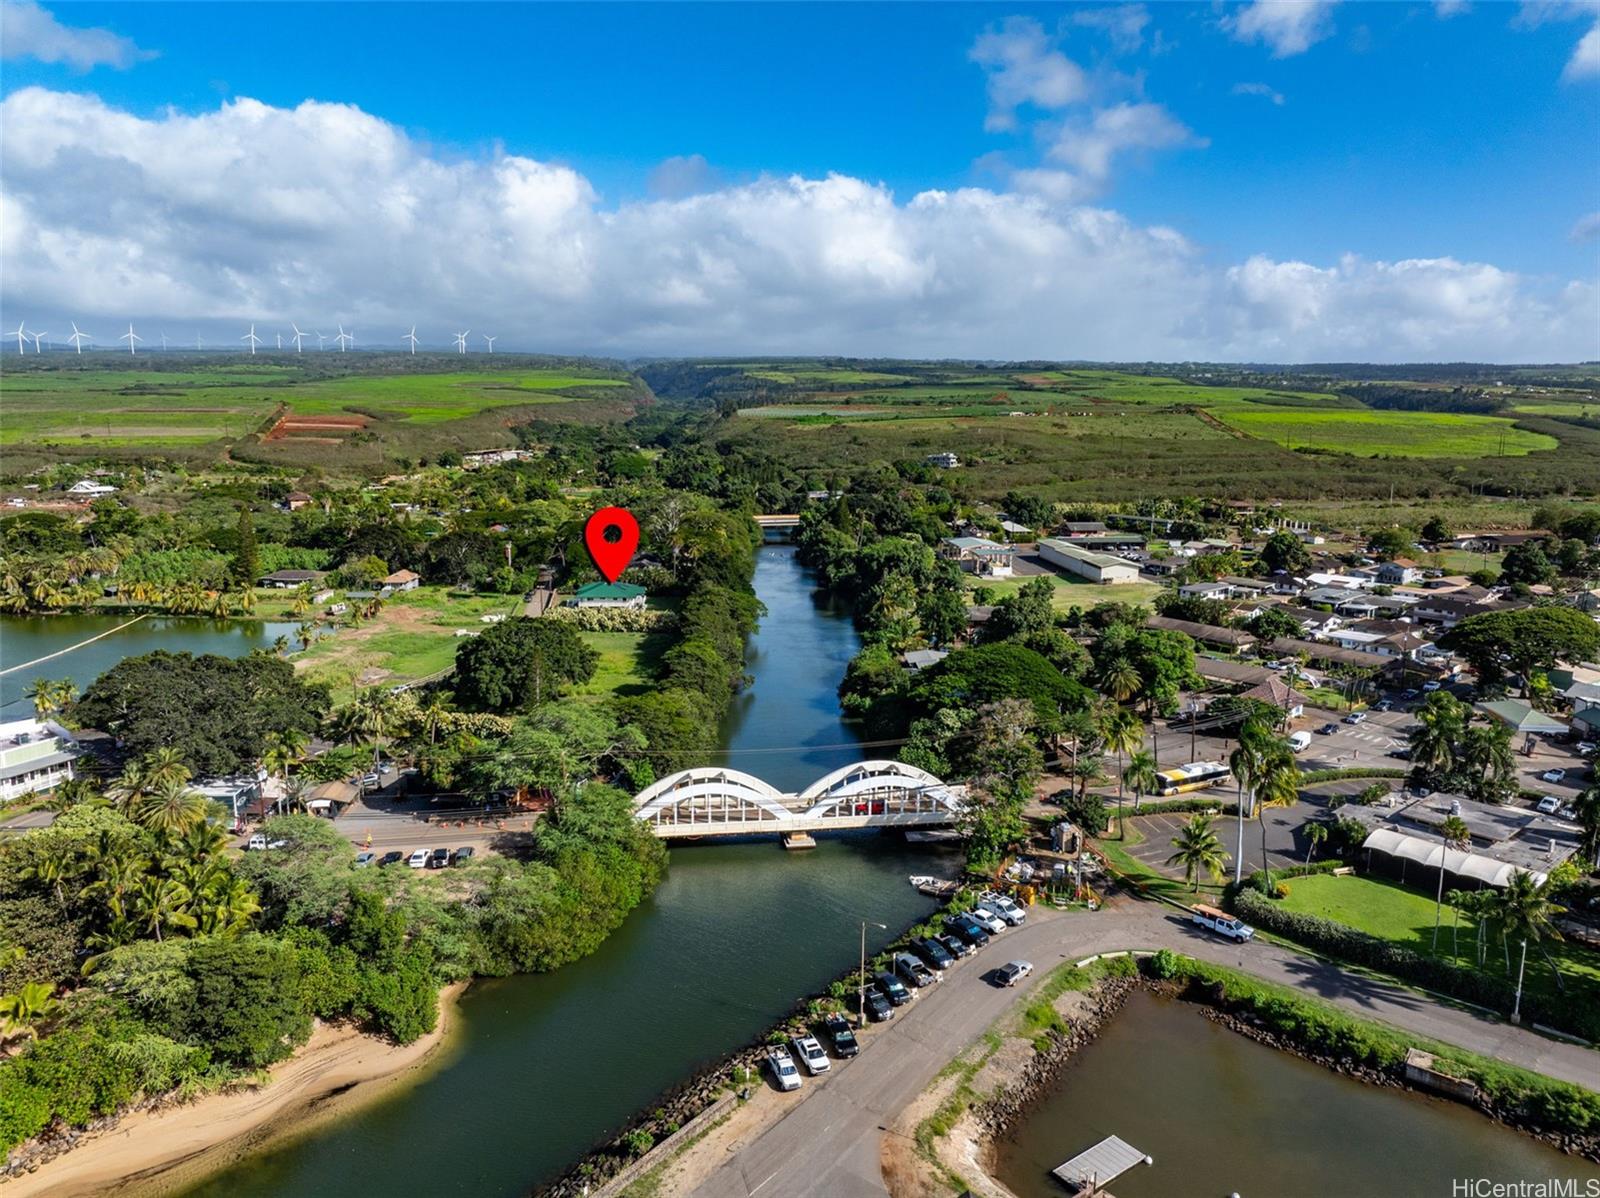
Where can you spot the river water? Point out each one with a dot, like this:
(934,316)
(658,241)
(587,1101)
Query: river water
(28,638)
(1220,1114)
(547,1065)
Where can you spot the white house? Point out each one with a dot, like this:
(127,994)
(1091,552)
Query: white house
(945,461)
(34,756)
(608,594)
(93,490)
(978,555)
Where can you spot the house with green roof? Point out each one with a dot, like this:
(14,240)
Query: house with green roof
(608,594)
(1521,717)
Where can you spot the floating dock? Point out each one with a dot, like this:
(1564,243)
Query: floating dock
(1094,1168)
(798,840)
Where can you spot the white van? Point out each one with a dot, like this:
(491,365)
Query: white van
(1300,741)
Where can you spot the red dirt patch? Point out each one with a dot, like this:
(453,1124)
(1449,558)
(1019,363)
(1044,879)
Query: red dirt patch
(299,427)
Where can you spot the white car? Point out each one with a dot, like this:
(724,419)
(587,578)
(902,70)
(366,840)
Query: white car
(258,842)
(1430,687)
(987,919)
(1356,717)
(1553,775)
(1013,972)
(1586,747)
(783,1070)
(1003,907)
(371,780)
(418,859)
(1549,805)
(811,1054)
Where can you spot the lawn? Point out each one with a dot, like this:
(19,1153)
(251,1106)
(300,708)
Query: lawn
(1404,434)
(1405,916)
(628,662)
(1071,593)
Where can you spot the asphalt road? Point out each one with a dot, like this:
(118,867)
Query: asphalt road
(827,1144)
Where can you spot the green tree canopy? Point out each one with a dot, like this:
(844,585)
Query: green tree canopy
(520,664)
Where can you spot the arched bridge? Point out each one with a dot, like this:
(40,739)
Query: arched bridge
(717,801)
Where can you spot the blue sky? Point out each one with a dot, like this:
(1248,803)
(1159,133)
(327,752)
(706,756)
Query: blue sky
(1291,134)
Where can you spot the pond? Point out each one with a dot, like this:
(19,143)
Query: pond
(547,1065)
(1221,1114)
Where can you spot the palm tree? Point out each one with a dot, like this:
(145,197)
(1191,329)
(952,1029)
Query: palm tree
(1197,849)
(305,634)
(171,809)
(129,787)
(1524,912)
(282,751)
(1316,833)
(1079,728)
(371,714)
(1141,776)
(227,908)
(162,903)
(1119,679)
(1245,762)
(1456,835)
(1278,786)
(302,602)
(1487,749)
(1123,732)
(1587,805)
(22,1012)
(1433,744)
(166,765)
(46,697)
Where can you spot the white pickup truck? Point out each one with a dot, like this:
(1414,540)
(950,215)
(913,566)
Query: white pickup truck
(1221,922)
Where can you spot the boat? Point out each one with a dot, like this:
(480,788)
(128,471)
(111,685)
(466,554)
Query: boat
(932,835)
(936,887)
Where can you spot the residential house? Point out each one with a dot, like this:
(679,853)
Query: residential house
(1206,590)
(87,488)
(980,556)
(1280,694)
(494,457)
(1398,573)
(918,660)
(401,580)
(608,594)
(285,580)
(944,461)
(1234,640)
(35,755)
(1083,528)
(295,500)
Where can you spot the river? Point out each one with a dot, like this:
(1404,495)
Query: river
(28,638)
(547,1065)
(1221,1114)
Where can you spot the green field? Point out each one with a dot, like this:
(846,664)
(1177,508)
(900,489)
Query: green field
(1071,593)
(628,662)
(1405,916)
(1396,433)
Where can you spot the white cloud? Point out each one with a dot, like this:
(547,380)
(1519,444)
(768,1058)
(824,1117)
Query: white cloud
(1091,147)
(1288,27)
(1122,23)
(1587,228)
(1024,68)
(683,175)
(31,32)
(1445,9)
(1585,60)
(1259,89)
(323,212)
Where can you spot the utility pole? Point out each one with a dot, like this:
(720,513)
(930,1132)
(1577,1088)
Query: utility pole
(861,995)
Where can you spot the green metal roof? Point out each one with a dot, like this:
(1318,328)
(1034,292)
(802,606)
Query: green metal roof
(1521,717)
(609,590)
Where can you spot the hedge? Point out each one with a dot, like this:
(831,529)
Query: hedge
(1168,806)
(1446,977)
(613,619)
(1550,1104)
(1381,771)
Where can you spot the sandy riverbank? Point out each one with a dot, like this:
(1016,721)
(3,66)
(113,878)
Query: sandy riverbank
(154,1152)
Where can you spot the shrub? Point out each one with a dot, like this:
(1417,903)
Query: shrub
(638,1142)
(1165,964)
(613,619)
(1335,774)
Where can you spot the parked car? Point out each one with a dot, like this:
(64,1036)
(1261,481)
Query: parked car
(1003,907)
(913,972)
(1585,747)
(933,953)
(371,780)
(391,857)
(439,858)
(837,1029)
(1403,753)
(878,1007)
(1328,729)
(783,1070)
(1012,972)
(1383,705)
(1553,775)
(1409,693)
(954,945)
(1299,742)
(892,987)
(1221,922)
(364,859)
(966,929)
(259,842)
(987,919)
(1569,813)
(1549,805)
(418,859)
(1430,687)
(811,1055)
(463,855)
(1356,717)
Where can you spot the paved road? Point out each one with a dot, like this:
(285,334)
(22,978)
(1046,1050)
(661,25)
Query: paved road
(827,1145)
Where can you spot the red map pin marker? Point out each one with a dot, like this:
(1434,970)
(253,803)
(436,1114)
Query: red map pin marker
(611,536)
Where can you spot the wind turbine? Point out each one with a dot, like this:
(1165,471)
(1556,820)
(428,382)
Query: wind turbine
(38,337)
(198,344)
(343,338)
(321,341)
(78,336)
(280,340)
(411,337)
(489,339)
(461,341)
(163,341)
(297,338)
(252,339)
(132,339)
(19,335)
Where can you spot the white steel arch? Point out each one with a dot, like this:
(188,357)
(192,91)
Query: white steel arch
(710,794)
(877,788)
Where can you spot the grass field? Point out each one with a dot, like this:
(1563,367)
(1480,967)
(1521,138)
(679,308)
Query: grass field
(1070,593)
(627,662)
(1401,434)
(1405,916)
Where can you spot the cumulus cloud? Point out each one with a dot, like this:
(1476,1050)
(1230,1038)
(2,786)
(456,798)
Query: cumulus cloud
(1025,68)
(1585,60)
(1288,27)
(1259,89)
(1090,147)
(31,32)
(1587,228)
(323,212)
(1122,23)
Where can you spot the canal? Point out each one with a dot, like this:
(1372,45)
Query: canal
(1221,1114)
(546,1065)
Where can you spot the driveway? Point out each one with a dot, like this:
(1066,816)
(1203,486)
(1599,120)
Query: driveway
(827,1145)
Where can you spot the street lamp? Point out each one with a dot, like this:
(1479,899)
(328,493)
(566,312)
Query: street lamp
(861,995)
